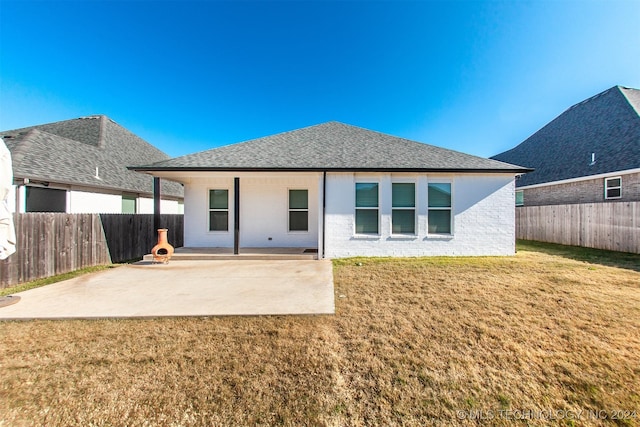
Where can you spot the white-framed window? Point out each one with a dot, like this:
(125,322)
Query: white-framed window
(129,203)
(367,208)
(519,197)
(613,188)
(439,216)
(403,208)
(298,210)
(219,210)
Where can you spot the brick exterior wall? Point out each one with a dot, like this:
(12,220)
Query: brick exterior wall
(483,209)
(590,191)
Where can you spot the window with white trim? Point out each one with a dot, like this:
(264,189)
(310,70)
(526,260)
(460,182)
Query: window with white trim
(367,208)
(519,197)
(298,210)
(403,208)
(129,203)
(439,215)
(613,188)
(219,210)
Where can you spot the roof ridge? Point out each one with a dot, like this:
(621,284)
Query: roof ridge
(21,148)
(437,147)
(110,122)
(101,137)
(591,98)
(635,106)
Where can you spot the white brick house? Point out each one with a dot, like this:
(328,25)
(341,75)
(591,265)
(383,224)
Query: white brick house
(345,191)
(80,166)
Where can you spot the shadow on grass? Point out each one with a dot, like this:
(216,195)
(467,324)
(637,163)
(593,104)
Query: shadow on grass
(625,260)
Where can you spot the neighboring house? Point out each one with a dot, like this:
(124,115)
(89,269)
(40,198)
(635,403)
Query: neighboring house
(590,153)
(80,166)
(345,191)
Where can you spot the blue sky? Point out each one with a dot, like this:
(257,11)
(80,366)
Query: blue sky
(473,76)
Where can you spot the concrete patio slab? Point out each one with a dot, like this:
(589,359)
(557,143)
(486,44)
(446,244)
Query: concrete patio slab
(264,254)
(185,288)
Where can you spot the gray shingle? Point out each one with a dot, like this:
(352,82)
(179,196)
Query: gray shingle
(69,151)
(607,124)
(331,146)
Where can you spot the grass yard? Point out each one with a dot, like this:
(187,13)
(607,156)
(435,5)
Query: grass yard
(548,337)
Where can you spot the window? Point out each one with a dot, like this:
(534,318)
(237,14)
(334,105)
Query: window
(403,212)
(128,204)
(367,208)
(520,198)
(218,210)
(439,208)
(613,188)
(46,200)
(298,210)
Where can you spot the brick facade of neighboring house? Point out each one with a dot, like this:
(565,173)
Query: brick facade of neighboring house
(593,141)
(583,191)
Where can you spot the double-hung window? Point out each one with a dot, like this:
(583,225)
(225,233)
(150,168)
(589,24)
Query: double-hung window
(403,208)
(520,198)
(367,206)
(218,210)
(439,218)
(298,210)
(613,188)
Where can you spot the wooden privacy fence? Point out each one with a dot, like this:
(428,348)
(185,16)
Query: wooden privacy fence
(613,226)
(56,243)
(130,236)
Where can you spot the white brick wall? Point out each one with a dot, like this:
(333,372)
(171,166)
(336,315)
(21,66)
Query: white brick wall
(483,209)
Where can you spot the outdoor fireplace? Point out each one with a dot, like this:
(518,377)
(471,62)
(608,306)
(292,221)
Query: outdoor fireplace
(163,251)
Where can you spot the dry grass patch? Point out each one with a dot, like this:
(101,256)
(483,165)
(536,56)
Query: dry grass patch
(413,342)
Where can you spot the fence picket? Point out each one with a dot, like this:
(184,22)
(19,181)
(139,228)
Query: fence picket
(49,244)
(613,226)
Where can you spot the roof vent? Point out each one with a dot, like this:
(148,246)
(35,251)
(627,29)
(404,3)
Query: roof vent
(97,174)
(593,159)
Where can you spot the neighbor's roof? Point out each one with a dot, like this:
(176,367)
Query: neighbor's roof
(331,146)
(69,152)
(607,124)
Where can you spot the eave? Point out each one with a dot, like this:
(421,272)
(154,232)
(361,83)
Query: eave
(150,169)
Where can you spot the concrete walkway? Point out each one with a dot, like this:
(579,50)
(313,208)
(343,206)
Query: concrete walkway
(184,288)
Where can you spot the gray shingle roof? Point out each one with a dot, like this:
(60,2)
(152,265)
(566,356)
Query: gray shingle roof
(332,146)
(607,124)
(69,151)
